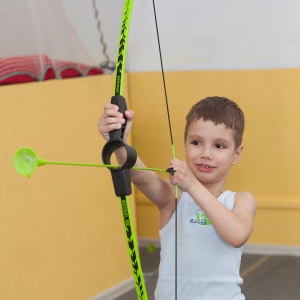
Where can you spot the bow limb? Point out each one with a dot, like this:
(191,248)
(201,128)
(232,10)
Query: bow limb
(121,177)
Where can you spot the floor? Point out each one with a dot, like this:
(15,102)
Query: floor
(266,277)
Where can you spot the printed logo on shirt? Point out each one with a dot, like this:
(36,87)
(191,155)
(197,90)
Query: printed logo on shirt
(200,219)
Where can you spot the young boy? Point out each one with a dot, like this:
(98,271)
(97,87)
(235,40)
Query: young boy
(212,224)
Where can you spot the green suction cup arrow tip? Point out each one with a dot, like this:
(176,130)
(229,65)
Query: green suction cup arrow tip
(25,161)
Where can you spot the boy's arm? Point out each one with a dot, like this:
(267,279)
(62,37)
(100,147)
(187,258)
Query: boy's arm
(157,190)
(234,227)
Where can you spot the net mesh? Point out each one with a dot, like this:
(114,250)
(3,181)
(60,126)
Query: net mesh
(38,42)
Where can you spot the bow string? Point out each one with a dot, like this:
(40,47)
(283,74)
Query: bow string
(170,170)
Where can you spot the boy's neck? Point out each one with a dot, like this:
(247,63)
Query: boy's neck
(216,189)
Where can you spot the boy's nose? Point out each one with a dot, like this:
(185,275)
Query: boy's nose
(206,153)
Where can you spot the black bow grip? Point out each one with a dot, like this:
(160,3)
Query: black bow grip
(121,177)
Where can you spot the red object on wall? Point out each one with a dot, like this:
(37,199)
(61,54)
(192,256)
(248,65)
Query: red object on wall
(30,68)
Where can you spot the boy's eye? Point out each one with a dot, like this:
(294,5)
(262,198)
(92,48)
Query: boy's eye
(196,143)
(220,146)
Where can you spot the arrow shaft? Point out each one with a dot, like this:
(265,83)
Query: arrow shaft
(102,166)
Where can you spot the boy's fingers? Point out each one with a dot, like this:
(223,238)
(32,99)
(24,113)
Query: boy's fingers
(112,113)
(129,114)
(128,125)
(111,106)
(111,127)
(112,119)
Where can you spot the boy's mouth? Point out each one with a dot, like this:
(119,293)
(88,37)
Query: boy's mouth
(204,168)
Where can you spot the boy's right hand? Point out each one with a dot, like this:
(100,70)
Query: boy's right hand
(112,119)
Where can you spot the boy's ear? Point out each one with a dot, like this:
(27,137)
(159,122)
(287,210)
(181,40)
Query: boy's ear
(237,154)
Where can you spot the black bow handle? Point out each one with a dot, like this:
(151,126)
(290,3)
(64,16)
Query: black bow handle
(121,177)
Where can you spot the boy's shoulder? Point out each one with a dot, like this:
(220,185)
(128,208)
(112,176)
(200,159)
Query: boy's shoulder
(244,194)
(245,199)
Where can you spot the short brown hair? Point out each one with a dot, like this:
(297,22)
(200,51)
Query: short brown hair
(219,110)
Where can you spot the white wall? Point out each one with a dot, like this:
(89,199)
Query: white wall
(195,34)
(216,34)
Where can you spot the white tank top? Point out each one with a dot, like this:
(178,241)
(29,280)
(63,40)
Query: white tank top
(207,267)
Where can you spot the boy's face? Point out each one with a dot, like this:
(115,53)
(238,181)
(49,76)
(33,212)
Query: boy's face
(210,151)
